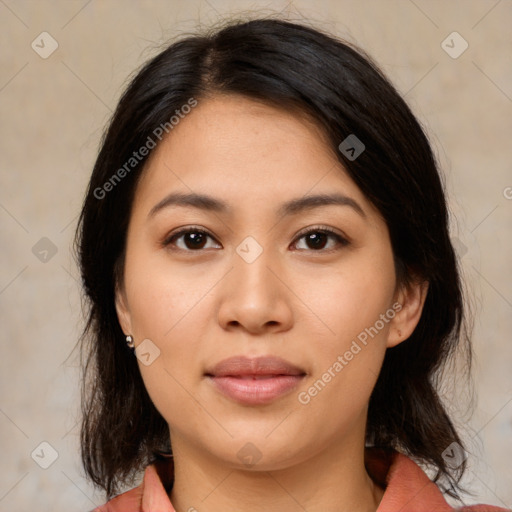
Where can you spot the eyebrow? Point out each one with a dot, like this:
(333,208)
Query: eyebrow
(314,201)
(292,207)
(200,201)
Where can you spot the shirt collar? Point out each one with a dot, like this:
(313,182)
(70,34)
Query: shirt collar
(407,487)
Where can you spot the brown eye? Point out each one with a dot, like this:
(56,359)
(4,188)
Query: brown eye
(190,240)
(316,240)
(319,239)
(194,240)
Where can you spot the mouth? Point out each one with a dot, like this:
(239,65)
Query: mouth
(255,381)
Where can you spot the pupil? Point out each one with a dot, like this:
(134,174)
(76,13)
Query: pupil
(194,240)
(317,240)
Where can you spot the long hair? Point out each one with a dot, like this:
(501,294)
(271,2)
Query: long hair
(295,67)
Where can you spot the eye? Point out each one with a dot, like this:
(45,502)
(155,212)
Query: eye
(190,239)
(319,239)
(195,239)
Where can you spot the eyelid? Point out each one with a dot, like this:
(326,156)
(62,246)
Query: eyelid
(341,237)
(183,231)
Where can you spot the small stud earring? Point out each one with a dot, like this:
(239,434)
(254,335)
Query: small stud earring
(129,341)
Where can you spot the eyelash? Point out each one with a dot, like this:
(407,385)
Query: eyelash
(341,241)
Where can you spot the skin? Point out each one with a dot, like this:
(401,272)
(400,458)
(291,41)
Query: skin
(295,301)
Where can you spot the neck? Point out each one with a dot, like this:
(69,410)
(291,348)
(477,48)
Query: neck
(333,480)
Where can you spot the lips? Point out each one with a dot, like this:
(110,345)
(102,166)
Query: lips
(241,366)
(254,381)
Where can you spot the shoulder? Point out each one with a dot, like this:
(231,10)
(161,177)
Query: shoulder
(481,508)
(129,501)
(407,487)
(151,495)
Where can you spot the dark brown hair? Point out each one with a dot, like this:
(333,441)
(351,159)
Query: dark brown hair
(299,68)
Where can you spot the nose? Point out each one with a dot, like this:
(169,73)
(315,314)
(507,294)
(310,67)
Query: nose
(254,299)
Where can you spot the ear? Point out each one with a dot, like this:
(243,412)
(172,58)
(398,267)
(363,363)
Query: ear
(411,298)
(123,312)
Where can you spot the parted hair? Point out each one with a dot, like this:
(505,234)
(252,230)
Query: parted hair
(305,70)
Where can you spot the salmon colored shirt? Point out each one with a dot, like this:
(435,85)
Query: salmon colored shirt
(407,488)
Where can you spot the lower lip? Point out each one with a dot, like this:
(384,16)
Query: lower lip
(256,391)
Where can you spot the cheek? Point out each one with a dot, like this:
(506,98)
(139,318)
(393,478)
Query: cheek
(163,296)
(349,301)
(170,307)
(355,305)
(174,322)
(351,343)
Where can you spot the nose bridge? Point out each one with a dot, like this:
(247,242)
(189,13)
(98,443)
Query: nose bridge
(251,272)
(252,295)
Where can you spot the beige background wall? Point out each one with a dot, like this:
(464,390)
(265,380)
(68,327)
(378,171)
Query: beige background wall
(52,114)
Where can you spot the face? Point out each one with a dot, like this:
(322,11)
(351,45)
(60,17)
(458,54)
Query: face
(247,239)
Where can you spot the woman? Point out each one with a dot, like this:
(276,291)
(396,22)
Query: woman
(265,252)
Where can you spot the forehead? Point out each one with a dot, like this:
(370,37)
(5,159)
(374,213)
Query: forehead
(234,147)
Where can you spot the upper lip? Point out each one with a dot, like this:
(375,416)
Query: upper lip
(242,365)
